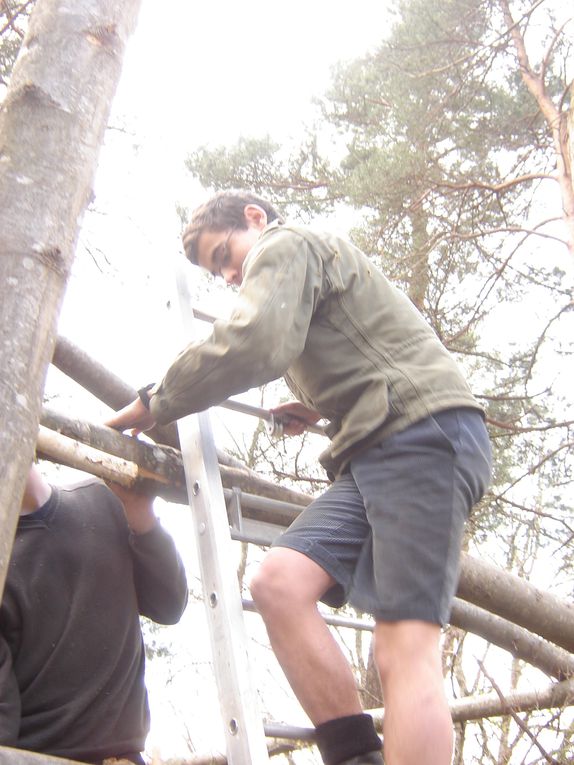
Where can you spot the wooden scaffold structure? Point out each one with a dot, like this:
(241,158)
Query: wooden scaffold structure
(530,624)
(229,501)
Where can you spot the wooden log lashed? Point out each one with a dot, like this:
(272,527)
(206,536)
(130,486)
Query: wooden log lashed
(154,480)
(523,645)
(103,384)
(11,756)
(68,452)
(518,600)
(554,696)
(467,709)
(115,393)
(161,473)
(165,461)
(518,641)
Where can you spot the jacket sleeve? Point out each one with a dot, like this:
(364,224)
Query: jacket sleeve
(266,333)
(9,698)
(159,576)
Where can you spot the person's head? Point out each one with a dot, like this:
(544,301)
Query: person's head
(223,230)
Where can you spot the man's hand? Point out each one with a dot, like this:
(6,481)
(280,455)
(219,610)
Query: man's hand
(295,417)
(133,417)
(138,508)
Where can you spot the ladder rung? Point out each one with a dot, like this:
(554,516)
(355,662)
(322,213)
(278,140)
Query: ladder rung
(334,621)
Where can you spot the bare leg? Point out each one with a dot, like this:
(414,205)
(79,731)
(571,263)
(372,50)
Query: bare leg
(417,724)
(286,589)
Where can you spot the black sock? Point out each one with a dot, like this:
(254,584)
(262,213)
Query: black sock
(346,737)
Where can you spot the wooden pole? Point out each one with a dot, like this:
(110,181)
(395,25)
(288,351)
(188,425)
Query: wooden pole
(52,123)
(68,452)
(519,642)
(115,393)
(164,460)
(517,600)
(471,708)
(10,756)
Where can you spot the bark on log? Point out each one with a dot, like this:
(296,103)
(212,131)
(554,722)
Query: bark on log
(165,461)
(52,123)
(517,600)
(490,705)
(64,450)
(521,643)
(69,452)
(9,756)
(554,696)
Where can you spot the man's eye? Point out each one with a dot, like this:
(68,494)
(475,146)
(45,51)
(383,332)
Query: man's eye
(216,259)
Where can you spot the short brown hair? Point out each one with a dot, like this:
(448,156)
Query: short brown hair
(220,213)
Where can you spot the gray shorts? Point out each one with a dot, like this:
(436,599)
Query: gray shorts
(390,530)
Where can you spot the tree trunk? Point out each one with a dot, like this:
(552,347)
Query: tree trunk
(419,260)
(52,124)
(556,120)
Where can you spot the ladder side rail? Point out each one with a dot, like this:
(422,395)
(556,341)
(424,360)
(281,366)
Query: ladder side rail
(243,726)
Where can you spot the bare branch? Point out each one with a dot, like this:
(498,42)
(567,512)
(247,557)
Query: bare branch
(516,718)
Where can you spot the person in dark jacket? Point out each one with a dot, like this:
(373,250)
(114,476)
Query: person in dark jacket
(409,456)
(84,566)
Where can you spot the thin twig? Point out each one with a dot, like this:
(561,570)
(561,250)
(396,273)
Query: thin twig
(517,719)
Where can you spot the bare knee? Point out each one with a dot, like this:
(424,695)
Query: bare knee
(287,580)
(270,586)
(407,648)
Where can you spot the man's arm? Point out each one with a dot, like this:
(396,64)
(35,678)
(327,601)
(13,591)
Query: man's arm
(159,574)
(134,417)
(265,334)
(138,508)
(9,698)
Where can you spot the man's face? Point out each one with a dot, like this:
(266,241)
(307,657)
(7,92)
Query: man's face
(222,253)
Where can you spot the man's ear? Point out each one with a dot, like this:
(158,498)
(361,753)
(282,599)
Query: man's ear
(255,216)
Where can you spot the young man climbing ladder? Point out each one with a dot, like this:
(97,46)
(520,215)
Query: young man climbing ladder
(409,456)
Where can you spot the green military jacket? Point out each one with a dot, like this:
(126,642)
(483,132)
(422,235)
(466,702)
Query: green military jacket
(313,309)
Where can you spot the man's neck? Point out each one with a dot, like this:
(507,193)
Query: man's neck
(36,495)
